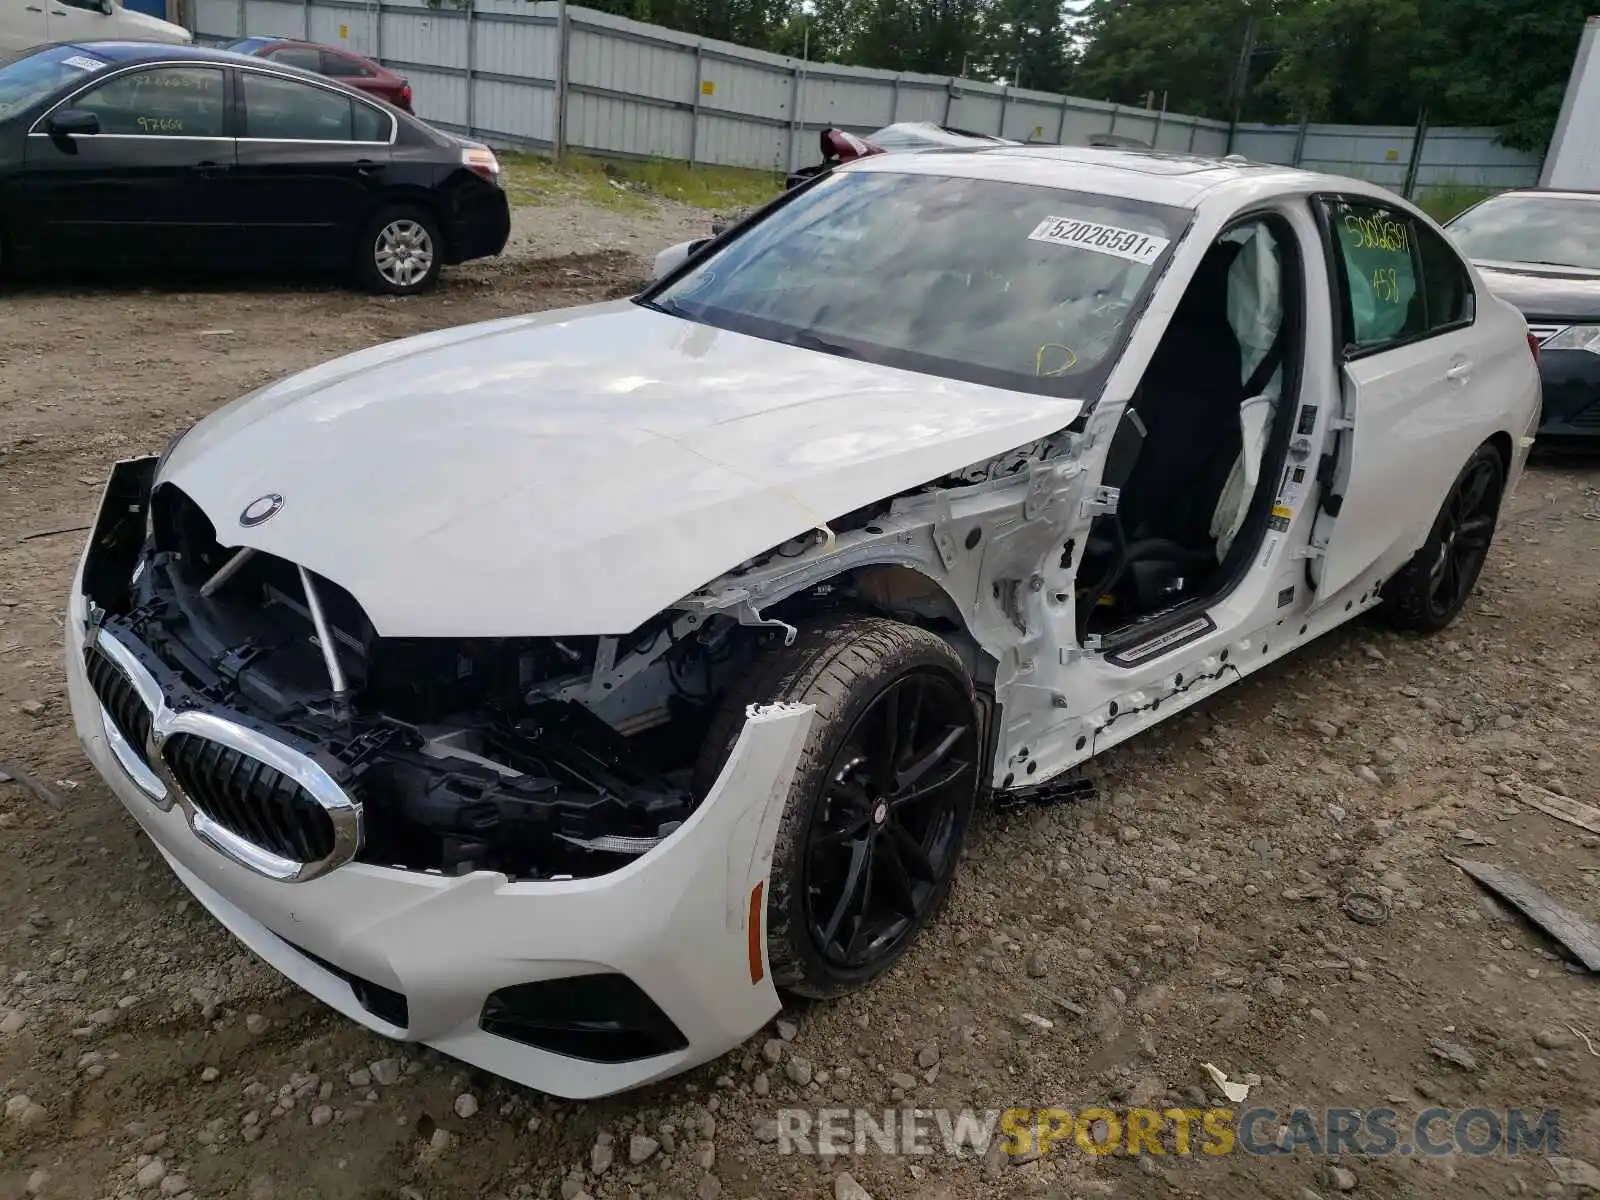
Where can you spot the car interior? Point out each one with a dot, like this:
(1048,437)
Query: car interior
(1198,453)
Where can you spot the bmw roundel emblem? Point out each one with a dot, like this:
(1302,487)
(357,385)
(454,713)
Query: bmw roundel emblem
(262,508)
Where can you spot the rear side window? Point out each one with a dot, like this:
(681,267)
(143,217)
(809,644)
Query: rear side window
(161,102)
(343,67)
(1446,284)
(1402,280)
(287,110)
(371,124)
(307,58)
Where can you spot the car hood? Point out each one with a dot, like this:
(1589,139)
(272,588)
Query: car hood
(154,29)
(574,472)
(1550,294)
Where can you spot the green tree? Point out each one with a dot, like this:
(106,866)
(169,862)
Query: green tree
(1027,42)
(1349,61)
(1188,49)
(1502,63)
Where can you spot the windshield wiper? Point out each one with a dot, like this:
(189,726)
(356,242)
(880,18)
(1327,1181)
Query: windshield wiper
(670,307)
(807,340)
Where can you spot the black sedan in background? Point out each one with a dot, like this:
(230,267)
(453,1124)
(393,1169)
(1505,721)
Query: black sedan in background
(1541,251)
(140,156)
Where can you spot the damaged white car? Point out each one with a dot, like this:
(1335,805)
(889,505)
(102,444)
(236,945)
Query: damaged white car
(561,691)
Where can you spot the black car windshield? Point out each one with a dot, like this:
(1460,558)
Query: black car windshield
(29,77)
(1545,230)
(1014,285)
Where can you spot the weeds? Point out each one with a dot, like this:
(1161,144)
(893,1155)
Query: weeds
(1445,200)
(628,185)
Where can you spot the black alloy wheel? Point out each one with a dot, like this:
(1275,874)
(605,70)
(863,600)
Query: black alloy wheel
(870,838)
(1430,590)
(884,835)
(1466,528)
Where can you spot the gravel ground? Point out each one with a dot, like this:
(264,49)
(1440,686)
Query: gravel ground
(1096,951)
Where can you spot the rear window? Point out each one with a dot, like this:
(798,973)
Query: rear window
(1015,285)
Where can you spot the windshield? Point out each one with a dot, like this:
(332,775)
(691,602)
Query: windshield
(1014,285)
(27,78)
(245,45)
(1546,230)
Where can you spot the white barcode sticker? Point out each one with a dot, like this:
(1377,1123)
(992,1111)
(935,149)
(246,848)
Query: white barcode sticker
(1100,238)
(82,63)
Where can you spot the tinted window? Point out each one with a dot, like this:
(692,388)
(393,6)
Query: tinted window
(27,79)
(307,58)
(343,66)
(1009,284)
(1379,248)
(1445,281)
(164,101)
(371,125)
(1404,280)
(287,110)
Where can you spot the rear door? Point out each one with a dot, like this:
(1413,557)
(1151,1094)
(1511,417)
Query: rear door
(1410,352)
(312,161)
(145,189)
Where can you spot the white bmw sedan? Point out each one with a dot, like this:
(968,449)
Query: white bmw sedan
(564,691)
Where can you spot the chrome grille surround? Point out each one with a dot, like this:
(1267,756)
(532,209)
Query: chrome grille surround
(155,778)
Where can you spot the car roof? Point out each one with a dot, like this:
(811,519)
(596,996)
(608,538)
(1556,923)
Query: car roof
(125,52)
(1550,193)
(1180,180)
(289,41)
(122,53)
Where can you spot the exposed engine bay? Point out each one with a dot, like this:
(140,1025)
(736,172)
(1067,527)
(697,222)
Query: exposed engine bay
(539,757)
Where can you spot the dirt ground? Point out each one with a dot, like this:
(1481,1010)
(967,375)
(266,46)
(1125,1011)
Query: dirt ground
(1189,912)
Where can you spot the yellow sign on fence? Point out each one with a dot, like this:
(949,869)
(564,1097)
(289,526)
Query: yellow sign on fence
(707,88)
(344,32)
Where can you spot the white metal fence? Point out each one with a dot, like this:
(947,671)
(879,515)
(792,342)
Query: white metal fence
(538,74)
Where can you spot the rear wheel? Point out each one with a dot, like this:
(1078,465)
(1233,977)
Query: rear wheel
(400,251)
(874,823)
(1432,588)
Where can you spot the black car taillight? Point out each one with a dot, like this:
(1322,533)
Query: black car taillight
(405,97)
(1533,345)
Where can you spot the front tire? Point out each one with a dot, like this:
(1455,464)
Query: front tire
(399,252)
(1429,591)
(874,823)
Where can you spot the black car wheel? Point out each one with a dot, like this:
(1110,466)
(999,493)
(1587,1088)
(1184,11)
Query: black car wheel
(875,819)
(400,252)
(1431,589)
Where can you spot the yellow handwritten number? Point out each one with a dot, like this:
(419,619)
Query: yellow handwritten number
(1386,284)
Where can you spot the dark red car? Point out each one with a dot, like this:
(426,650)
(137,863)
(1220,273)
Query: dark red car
(349,69)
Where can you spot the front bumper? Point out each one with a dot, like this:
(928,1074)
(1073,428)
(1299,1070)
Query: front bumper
(683,923)
(1570,381)
(480,224)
